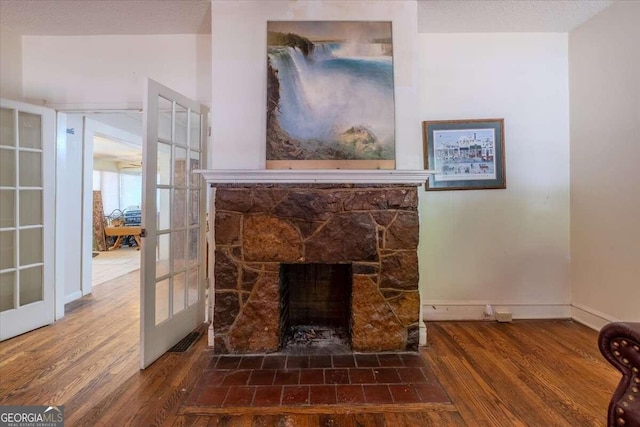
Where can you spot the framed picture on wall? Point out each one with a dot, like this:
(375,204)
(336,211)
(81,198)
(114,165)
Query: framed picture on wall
(468,154)
(330,95)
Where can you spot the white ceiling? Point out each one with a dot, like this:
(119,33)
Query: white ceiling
(108,149)
(94,17)
(488,16)
(112,151)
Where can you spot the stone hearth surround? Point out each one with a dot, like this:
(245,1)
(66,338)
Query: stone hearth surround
(260,226)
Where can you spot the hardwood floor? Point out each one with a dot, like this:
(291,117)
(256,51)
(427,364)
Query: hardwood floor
(109,265)
(544,373)
(527,373)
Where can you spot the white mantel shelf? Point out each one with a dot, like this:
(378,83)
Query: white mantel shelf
(314,176)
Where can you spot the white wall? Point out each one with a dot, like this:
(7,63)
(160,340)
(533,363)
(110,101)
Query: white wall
(10,65)
(130,190)
(69,205)
(604,71)
(239,31)
(508,248)
(110,187)
(120,191)
(106,72)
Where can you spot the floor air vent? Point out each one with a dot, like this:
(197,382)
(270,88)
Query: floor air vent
(185,343)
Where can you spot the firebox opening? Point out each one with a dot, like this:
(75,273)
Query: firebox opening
(315,308)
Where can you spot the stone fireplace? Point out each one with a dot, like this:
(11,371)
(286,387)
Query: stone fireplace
(371,229)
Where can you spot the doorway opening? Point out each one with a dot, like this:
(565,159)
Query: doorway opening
(101,155)
(116,194)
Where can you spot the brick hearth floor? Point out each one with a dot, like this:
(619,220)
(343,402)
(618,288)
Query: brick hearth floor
(288,380)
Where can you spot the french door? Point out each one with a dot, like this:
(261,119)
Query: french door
(27,207)
(173,220)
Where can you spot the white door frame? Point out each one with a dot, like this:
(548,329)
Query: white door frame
(89,128)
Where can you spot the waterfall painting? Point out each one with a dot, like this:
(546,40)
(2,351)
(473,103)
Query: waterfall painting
(330,97)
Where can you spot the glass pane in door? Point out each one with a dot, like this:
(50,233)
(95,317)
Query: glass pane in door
(162,256)
(180,167)
(163,210)
(31,285)
(7,127)
(162,300)
(7,208)
(179,292)
(31,246)
(31,207)
(177,245)
(194,242)
(165,112)
(194,163)
(181,125)
(7,167)
(7,249)
(179,208)
(164,164)
(193,285)
(7,290)
(30,130)
(194,136)
(30,169)
(194,214)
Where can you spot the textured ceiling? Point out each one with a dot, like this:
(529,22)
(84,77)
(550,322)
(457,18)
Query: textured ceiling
(487,16)
(116,151)
(93,17)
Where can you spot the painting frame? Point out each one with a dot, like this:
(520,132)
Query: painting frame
(468,154)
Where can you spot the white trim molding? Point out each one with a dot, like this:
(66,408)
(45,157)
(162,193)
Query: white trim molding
(314,176)
(72,297)
(589,317)
(476,311)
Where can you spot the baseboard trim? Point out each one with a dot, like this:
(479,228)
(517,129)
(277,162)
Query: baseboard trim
(210,335)
(423,334)
(589,317)
(442,311)
(475,311)
(72,297)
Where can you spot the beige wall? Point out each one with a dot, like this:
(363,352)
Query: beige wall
(108,72)
(239,40)
(604,75)
(507,248)
(10,65)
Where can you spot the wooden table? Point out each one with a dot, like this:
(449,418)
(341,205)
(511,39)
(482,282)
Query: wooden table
(120,232)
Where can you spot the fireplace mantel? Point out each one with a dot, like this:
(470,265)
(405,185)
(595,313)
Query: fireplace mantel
(314,176)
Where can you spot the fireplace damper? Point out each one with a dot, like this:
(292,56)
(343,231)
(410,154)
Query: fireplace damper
(315,308)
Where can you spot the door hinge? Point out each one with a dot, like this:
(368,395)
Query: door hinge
(143,232)
(209,131)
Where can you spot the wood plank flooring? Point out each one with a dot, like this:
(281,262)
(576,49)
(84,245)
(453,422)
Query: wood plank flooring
(109,265)
(527,373)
